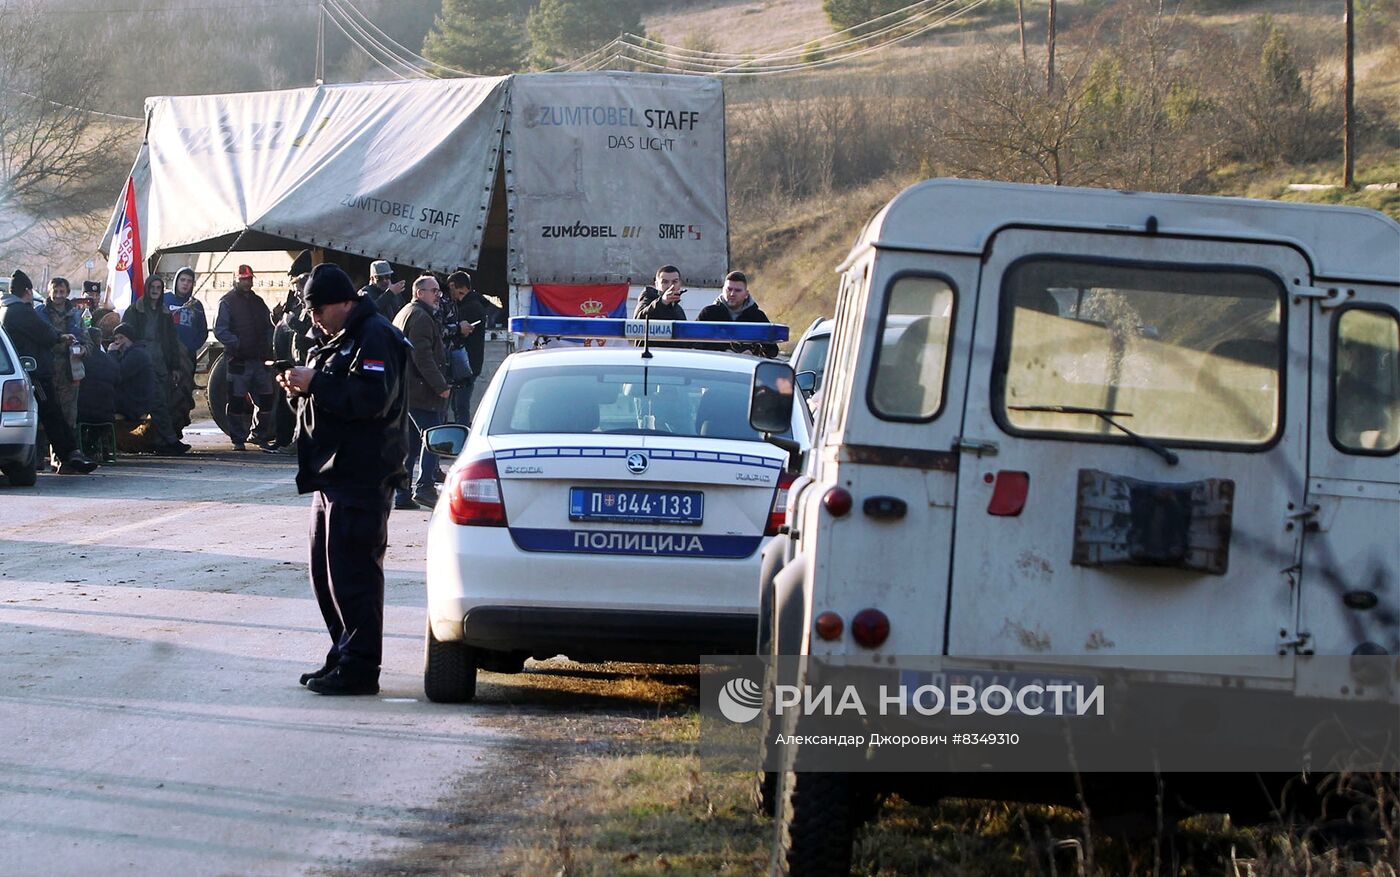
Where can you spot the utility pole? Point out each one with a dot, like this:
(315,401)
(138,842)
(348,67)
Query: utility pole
(1349,102)
(1021,23)
(1050,52)
(321,43)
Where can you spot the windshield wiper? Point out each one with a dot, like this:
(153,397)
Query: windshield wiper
(1107,416)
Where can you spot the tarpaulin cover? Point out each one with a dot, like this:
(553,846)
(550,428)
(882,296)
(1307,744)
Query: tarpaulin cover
(612,175)
(401,171)
(608,175)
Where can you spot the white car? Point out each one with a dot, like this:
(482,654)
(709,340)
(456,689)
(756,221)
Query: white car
(606,506)
(19,418)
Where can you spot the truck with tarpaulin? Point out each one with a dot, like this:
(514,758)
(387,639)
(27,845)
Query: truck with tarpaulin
(560,193)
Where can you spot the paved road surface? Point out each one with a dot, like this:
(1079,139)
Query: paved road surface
(154,618)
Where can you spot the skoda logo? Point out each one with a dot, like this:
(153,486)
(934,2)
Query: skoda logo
(636,462)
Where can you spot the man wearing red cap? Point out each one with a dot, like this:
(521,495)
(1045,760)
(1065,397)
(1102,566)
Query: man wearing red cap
(244,327)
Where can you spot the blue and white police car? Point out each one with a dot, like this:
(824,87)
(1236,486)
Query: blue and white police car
(609,503)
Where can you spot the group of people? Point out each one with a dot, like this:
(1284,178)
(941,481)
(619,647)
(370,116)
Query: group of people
(95,366)
(733,304)
(448,350)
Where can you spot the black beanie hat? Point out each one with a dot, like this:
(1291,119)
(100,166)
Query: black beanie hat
(19,280)
(328,285)
(126,329)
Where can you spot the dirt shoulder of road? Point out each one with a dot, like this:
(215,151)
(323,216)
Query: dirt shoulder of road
(602,777)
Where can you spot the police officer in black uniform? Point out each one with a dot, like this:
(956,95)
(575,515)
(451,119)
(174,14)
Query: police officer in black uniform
(351,407)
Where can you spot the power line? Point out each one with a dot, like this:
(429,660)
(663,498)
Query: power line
(366,40)
(896,19)
(404,50)
(372,56)
(89,112)
(726,63)
(163,9)
(622,49)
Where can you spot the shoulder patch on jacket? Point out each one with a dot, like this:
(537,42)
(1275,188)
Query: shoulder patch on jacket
(372,365)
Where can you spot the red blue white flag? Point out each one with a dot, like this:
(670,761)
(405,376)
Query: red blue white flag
(580,300)
(573,300)
(126,274)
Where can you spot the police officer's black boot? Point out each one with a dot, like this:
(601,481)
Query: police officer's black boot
(332,661)
(344,681)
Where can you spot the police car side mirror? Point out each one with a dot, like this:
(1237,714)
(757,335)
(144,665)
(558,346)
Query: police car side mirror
(448,439)
(770,397)
(806,382)
(28,363)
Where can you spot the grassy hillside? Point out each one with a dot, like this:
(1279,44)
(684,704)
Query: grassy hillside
(790,234)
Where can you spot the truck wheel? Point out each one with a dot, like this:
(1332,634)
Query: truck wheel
(815,825)
(764,791)
(25,472)
(218,394)
(449,670)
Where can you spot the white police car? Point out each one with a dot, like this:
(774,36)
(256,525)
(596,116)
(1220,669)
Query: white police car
(610,503)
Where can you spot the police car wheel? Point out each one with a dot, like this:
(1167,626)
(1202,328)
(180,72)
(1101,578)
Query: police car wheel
(815,826)
(24,472)
(449,670)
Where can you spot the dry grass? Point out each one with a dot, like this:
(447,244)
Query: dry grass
(638,803)
(793,249)
(740,27)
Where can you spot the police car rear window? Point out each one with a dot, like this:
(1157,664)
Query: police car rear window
(625,400)
(1175,353)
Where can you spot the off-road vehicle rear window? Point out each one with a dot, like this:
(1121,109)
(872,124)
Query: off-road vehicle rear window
(1366,382)
(1177,353)
(911,362)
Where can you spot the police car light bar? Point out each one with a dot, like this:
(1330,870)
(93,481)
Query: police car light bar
(657,330)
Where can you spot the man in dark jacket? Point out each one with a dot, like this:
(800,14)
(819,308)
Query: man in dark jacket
(244,327)
(150,320)
(663,302)
(97,394)
(32,336)
(289,342)
(65,316)
(428,387)
(464,315)
(736,305)
(386,293)
(350,450)
(137,387)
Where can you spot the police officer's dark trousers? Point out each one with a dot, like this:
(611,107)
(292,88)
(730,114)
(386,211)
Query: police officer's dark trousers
(349,532)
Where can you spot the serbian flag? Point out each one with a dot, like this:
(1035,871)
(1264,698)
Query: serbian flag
(569,300)
(126,275)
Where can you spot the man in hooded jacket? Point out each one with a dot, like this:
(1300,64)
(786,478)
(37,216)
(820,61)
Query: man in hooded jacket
(351,410)
(736,305)
(192,328)
(150,320)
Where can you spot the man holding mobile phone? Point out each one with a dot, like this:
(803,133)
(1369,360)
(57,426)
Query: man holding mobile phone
(463,314)
(663,301)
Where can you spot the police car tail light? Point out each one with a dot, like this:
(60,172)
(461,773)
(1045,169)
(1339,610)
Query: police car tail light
(14,397)
(777,516)
(474,495)
(870,627)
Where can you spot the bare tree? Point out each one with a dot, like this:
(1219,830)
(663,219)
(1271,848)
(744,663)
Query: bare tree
(58,161)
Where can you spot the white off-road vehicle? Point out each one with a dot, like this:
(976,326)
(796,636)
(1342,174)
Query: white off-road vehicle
(1074,422)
